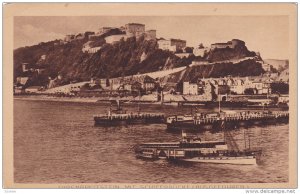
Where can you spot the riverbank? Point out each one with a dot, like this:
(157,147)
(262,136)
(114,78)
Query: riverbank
(57,99)
(126,100)
(85,100)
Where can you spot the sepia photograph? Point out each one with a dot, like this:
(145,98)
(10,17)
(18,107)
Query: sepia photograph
(151,99)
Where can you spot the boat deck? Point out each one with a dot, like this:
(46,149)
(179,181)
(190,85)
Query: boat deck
(242,117)
(129,116)
(199,122)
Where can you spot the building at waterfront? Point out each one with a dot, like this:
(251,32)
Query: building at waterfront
(66,89)
(238,85)
(33,89)
(190,88)
(148,83)
(19,90)
(283,98)
(200,91)
(22,80)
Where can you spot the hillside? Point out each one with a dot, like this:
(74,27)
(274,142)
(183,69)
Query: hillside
(284,76)
(280,65)
(242,69)
(126,57)
(120,59)
(224,54)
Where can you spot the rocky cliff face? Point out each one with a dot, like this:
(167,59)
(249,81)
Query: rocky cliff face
(238,52)
(244,68)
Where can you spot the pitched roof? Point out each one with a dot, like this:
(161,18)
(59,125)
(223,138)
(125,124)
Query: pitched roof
(34,87)
(136,24)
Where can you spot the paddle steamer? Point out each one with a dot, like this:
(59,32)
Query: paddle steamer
(191,149)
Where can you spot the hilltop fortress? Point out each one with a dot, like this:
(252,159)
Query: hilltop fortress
(230,44)
(124,32)
(137,30)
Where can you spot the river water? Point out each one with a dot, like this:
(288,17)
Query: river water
(57,142)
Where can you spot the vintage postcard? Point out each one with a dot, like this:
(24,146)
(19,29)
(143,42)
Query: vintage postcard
(150,95)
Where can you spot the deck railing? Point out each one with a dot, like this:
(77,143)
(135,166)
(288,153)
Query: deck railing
(242,117)
(130,116)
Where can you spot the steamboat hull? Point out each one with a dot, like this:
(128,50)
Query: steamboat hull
(247,160)
(147,157)
(250,159)
(197,151)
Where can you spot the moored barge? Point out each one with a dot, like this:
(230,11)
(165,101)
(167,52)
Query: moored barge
(121,117)
(203,121)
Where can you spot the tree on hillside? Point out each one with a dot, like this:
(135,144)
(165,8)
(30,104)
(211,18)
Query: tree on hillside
(280,87)
(249,91)
(200,46)
(189,49)
(223,89)
(179,51)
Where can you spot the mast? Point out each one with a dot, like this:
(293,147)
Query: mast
(139,109)
(224,131)
(245,139)
(118,104)
(249,141)
(162,97)
(219,101)
(219,105)
(110,109)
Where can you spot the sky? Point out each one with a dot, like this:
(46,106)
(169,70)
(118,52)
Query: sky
(268,35)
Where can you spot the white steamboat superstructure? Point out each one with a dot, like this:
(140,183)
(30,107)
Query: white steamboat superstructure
(195,150)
